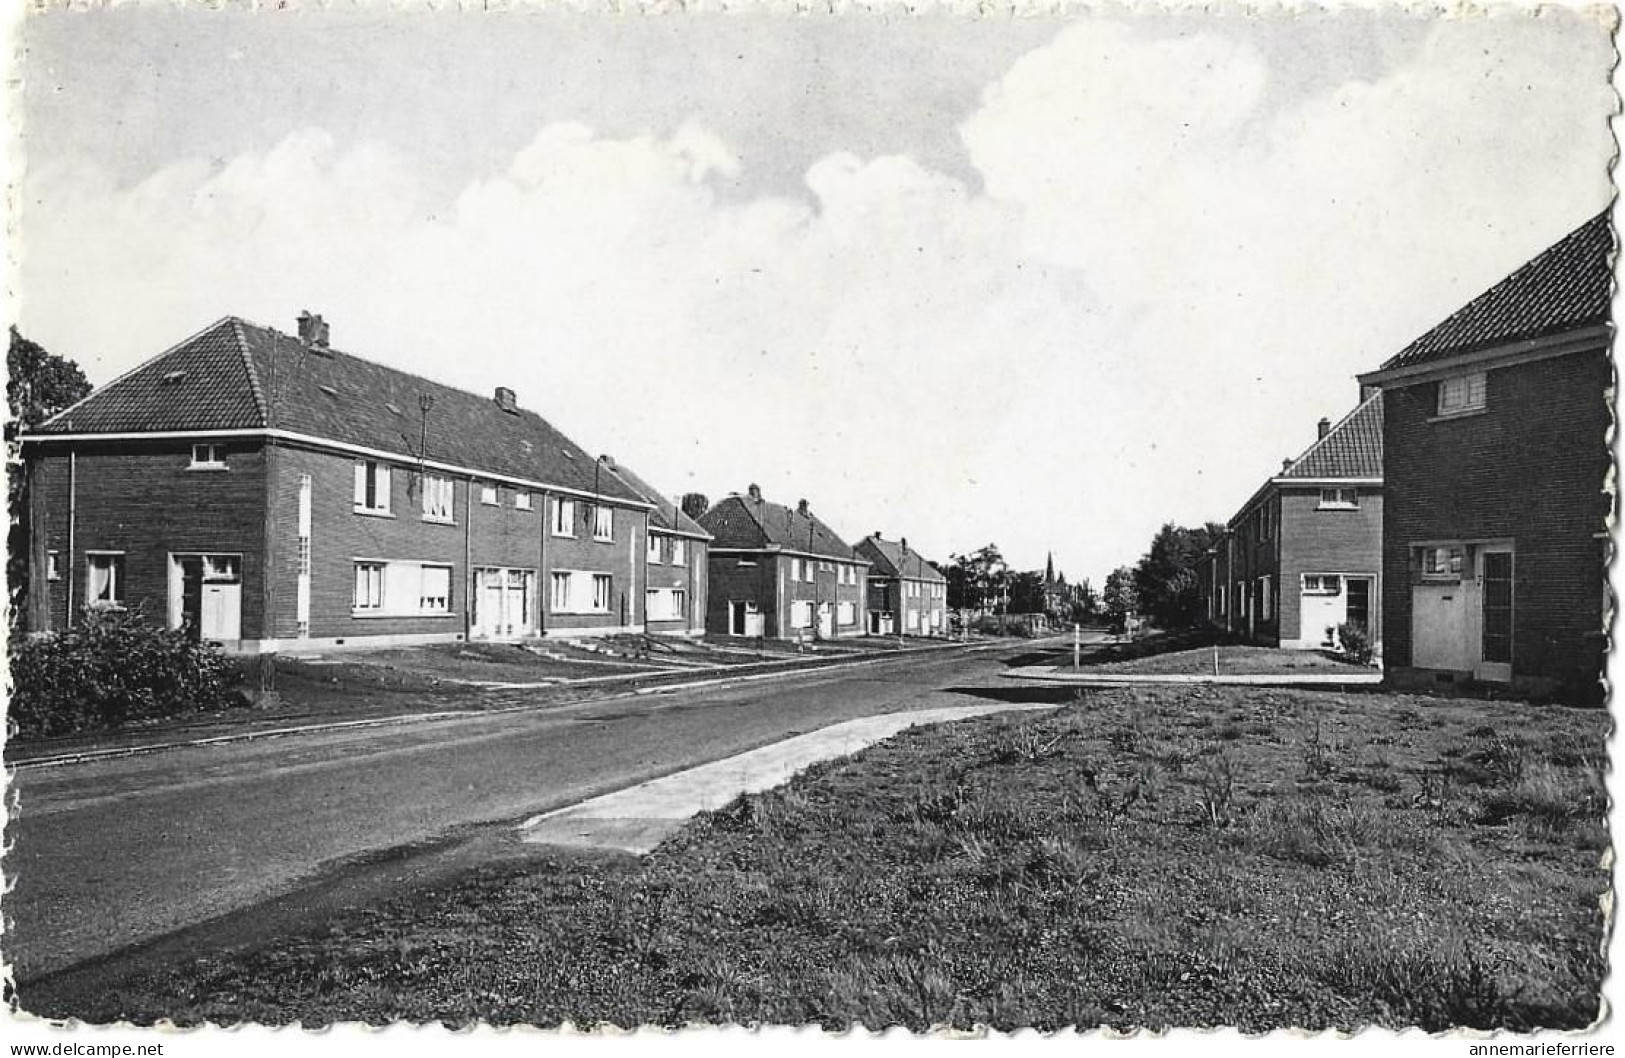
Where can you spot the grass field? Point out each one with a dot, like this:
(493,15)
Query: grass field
(1233,660)
(1145,857)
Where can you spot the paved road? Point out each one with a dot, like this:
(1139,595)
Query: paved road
(115,852)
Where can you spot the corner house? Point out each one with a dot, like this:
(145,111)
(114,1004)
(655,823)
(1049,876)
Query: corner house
(268,491)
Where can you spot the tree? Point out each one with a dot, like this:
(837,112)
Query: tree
(1086,604)
(695,504)
(1120,597)
(976,581)
(38,385)
(1166,578)
(1027,594)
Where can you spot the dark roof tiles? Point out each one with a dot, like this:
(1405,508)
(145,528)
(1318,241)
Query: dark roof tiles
(891,560)
(1351,449)
(751,523)
(238,375)
(1568,286)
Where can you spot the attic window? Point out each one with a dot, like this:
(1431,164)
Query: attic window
(567,453)
(329,390)
(393,410)
(172,378)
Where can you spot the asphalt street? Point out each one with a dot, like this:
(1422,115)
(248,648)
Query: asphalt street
(111,853)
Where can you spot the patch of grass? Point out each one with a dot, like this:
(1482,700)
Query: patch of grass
(1234,660)
(1107,863)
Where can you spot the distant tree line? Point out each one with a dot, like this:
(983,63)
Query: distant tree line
(1164,586)
(981,582)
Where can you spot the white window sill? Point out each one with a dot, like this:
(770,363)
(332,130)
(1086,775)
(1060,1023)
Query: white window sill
(1465,413)
(206,467)
(439,521)
(372,512)
(579,613)
(490,503)
(1338,507)
(603,539)
(563,536)
(398,615)
(115,607)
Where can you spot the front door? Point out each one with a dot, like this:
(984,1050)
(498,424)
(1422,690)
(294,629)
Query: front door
(207,596)
(1495,615)
(1359,601)
(826,621)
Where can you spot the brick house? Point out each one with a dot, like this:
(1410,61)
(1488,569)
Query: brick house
(1496,432)
(676,564)
(906,593)
(271,491)
(1303,554)
(780,572)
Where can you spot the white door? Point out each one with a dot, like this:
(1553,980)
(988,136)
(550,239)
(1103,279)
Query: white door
(488,603)
(1322,606)
(222,612)
(1439,625)
(826,621)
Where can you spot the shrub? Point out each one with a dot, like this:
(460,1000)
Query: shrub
(1355,640)
(114,668)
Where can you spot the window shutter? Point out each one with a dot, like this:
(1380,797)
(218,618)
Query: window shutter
(360,484)
(383,487)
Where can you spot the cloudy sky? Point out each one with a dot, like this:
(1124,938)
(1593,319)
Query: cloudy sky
(1046,282)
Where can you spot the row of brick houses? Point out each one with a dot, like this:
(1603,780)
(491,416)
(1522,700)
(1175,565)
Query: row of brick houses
(268,491)
(1461,511)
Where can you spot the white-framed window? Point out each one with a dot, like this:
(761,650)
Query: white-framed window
(1264,598)
(846,613)
(801,614)
(603,522)
(560,595)
(1442,563)
(679,551)
(372,487)
(53,565)
(811,571)
(521,500)
(653,551)
(564,517)
(434,591)
(1243,600)
(1219,601)
(1322,584)
(438,498)
(1339,499)
(795,569)
(208,456)
(666,604)
(603,591)
(369,586)
(489,495)
(104,579)
(1461,394)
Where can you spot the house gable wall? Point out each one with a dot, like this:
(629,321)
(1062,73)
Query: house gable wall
(1529,468)
(1326,541)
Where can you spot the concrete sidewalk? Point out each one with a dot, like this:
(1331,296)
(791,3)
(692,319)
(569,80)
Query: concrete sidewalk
(1085,678)
(638,818)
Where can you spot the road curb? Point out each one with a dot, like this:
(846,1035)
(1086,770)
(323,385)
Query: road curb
(118,752)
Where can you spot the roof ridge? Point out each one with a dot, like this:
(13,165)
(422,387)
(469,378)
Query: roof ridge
(260,400)
(1331,432)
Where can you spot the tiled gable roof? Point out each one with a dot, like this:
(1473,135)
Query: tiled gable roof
(749,523)
(1351,449)
(239,375)
(204,383)
(666,515)
(1566,287)
(890,560)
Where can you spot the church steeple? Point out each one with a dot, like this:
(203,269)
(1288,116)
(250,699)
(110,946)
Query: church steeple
(1049,568)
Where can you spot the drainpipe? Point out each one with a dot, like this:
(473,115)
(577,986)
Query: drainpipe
(468,559)
(73,523)
(544,581)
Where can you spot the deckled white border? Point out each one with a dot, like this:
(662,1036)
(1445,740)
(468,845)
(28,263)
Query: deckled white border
(350,1040)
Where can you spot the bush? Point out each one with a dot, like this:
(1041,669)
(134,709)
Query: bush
(1355,641)
(112,669)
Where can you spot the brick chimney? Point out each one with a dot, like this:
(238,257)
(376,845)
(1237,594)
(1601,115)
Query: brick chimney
(903,543)
(802,509)
(754,492)
(312,330)
(506,400)
(1286,465)
(1324,426)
